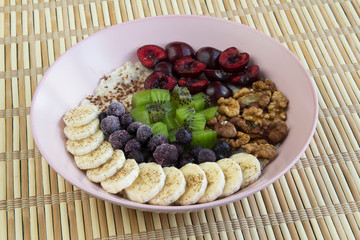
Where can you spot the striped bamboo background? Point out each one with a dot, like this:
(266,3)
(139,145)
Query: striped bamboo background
(317,199)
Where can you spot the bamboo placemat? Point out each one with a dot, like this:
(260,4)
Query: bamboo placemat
(318,198)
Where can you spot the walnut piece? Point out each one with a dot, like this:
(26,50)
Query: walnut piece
(278,105)
(241,124)
(264,85)
(223,127)
(276,131)
(248,97)
(241,139)
(255,115)
(266,151)
(228,106)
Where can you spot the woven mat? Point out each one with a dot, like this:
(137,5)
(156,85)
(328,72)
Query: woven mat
(318,198)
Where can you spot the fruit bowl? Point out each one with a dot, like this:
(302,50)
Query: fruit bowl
(77,72)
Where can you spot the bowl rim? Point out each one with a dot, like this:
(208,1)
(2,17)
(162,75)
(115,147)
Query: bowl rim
(188,208)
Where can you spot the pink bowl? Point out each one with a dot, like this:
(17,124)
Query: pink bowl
(77,72)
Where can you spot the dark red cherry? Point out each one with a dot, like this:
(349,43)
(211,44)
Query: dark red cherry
(177,50)
(149,55)
(160,80)
(193,84)
(217,75)
(217,90)
(188,67)
(209,56)
(231,60)
(246,77)
(165,67)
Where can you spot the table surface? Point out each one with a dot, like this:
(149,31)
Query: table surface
(318,198)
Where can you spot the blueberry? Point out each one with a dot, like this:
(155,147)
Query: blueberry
(110,124)
(137,155)
(116,109)
(126,120)
(222,150)
(194,151)
(133,127)
(179,148)
(155,141)
(185,160)
(166,155)
(150,159)
(143,134)
(132,145)
(183,136)
(102,115)
(206,155)
(119,138)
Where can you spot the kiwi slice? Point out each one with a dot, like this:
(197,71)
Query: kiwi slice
(182,113)
(195,122)
(201,101)
(159,128)
(156,111)
(170,121)
(159,95)
(204,138)
(181,96)
(141,98)
(170,108)
(209,112)
(140,114)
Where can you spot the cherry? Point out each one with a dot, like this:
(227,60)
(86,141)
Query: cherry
(217,90)
(246,77)
(165,67)
(193,84)
(231,60)
(217,75)
(149,55)
(188,67)
(209,56)
(177,50)
(160,80)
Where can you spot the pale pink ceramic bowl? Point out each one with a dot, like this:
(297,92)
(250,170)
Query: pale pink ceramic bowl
(77,72)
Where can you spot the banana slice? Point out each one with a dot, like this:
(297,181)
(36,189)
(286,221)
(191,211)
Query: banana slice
(233,176)
(174,187)
(86,145)
(78,133)
(196,184)
(122,178)
(148,184)
(95,158)
(250,167)
(108,169)
(216,181)
(80,116)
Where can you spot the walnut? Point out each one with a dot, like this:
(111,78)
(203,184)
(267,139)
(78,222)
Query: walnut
(255,115)
(266,151)
(241,139)
(265,98)
(278,105)
(228,106)
(243,92)
(257,132)
(264,85)
(249,97)
(223,127)
(241,124)
(276,131)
